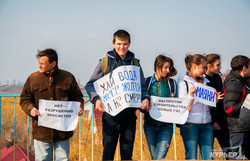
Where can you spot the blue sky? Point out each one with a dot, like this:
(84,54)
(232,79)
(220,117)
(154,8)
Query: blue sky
(81,32)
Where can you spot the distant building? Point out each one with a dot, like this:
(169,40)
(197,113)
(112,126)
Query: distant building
(20,154)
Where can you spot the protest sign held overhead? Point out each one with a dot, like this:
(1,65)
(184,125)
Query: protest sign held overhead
(59,115)
(205,94)
(170,110)
(120,89)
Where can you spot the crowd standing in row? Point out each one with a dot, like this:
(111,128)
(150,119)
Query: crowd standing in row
(203,122)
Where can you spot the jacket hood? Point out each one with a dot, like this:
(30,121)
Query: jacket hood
(112,54)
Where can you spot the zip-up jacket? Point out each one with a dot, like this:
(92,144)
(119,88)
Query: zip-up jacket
(58,85)
(114,61)
(160,89)
(200,113)
(235,93)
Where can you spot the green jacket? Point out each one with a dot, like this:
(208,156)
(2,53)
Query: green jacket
(160,89)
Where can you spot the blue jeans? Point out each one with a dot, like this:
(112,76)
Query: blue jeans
(194,135)
(158,139)
(43,150)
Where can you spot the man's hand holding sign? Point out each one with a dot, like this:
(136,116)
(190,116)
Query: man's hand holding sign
(119,90)
(35,112)
(60,115)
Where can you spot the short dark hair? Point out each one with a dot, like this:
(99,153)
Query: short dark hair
(121,34)
(50,53)
(238,62)
(159,62)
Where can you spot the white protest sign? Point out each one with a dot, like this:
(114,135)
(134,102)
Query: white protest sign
(205,94)
(59,115)
(170,110)
(120,90)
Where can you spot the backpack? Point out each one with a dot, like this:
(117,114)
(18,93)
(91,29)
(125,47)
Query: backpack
(104,64)
(186,85)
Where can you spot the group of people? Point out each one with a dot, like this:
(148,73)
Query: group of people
(203,122)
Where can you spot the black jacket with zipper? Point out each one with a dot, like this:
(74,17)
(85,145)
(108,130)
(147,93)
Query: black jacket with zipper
(236,90)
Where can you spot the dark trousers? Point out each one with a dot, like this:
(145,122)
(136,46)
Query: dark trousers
(122,125)
(224,141)
(223,138)
(241,139)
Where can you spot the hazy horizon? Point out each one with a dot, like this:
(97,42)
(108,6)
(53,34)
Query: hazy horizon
(81,32)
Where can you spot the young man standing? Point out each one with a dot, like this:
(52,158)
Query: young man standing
(236,88)
(219,118)
(49,83)
(122,125)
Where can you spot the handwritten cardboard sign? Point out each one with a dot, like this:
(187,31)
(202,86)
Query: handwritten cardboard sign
(120,89)
(205,94)
(170,110)
(59,115)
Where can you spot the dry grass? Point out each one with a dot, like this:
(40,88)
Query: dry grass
(80,147)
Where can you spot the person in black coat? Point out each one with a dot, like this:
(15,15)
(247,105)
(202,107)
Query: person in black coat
(236,88)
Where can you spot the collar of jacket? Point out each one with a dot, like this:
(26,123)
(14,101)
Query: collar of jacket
(215,76)
(154,79)
(235,75)
(114,55)
(52,72)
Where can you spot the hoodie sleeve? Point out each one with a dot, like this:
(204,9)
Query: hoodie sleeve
(97,74)
(144,91)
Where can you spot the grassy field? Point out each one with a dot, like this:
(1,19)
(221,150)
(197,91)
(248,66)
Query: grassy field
(81,142)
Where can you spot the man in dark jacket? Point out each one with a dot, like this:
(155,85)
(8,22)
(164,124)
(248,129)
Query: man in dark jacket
(236,87)
(49,83)
(124,123)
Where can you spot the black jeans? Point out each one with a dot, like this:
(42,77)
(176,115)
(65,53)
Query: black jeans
(224,141)
(223,138)
(123,125)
